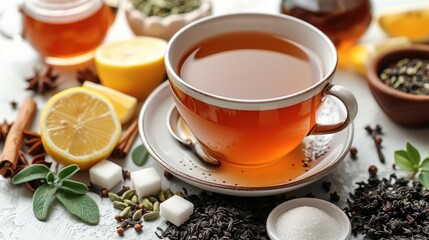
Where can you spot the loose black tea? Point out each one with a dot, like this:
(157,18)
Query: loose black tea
(393,208)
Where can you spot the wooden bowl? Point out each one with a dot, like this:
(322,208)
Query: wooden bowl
(403,108)
(165,28)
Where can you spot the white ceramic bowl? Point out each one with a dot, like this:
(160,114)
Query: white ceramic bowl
(343,222)
(164,28)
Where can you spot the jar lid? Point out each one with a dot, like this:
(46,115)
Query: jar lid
(61,11)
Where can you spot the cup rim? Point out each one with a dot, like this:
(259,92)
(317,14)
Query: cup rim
(251,104)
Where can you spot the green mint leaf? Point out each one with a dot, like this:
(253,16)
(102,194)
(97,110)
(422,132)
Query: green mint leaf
(82,206)
(140,155)
(402,161)
(413,153)
(42,200)
(73,187)
(425,164)
(50,178)
(424,179)
(68,171)
(30,173)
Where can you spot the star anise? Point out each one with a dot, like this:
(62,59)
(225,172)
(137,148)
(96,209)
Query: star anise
(87,75)
(34,143)
(42,81)
(4,130)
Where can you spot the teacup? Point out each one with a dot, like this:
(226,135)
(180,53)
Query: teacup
(249,85)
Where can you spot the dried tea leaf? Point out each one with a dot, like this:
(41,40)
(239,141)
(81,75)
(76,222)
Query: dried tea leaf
(68,171)
(82,206)
(42,200)
(30,173)
(402,160)
(74,187)
(140,155)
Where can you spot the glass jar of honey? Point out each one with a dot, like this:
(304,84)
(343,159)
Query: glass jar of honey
(65,32)
(343,21)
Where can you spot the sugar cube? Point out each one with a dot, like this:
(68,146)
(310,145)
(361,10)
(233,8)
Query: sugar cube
(146,182)
(105,174)
(176,210)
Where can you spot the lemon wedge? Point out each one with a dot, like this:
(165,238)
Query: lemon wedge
(79,126)
(132,66)
(360,55)
(124,105)
(412,24)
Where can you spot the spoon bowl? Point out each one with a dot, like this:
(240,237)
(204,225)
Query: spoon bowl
(180,131)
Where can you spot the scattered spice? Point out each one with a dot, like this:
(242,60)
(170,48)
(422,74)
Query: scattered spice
(408,75)
(87,75)
(353,153)
(393,208)
(42,81)
(34,142)
(126,141)
(164,8)
(326,186)
(375,134)
(168,174)
(4,130)
(334,197)
(372,170)
(13,104)
(13,143)
(219,216)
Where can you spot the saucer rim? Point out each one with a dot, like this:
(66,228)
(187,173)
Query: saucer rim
(238,190)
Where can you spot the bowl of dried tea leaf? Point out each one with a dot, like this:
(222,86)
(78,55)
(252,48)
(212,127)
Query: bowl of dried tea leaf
(163,18)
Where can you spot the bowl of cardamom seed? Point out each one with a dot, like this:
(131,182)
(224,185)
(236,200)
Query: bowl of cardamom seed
(163,18)
(399,81)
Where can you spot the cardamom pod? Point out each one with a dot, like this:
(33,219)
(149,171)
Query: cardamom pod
(129,203)
(119,205)
(179,193)
(168,193)
(135,199)
(152,199)
(137,215)
(125,212)
(156,206)
(161,196)
(147,204)
(128,194)
(115,197)
(151,216)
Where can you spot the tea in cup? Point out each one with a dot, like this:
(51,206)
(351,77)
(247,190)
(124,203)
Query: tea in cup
(66,32)
(249,85)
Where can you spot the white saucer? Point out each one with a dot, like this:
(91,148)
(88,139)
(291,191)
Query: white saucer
(324,153)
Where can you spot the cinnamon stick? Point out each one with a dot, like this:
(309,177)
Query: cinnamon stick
(126,141)
(13,143)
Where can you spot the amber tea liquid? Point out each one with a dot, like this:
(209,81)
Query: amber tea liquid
(68,38)
(249,66)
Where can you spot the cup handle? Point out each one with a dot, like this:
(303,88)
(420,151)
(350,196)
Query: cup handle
(351,105)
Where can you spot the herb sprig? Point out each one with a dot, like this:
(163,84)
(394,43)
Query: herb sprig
(410,160)
(71,194)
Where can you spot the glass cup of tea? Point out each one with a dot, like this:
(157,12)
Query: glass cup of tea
(249,85)
(66,32)
(344,21)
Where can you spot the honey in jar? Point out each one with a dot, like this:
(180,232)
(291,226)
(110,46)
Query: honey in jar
(65,32)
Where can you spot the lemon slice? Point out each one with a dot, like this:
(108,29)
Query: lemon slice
(412,24)
(123,104)
(132,66)
(79,126)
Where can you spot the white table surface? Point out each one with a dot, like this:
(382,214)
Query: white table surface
(18,59)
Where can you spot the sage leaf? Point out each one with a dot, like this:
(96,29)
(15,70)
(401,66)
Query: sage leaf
(30,173)
(413,153)
(42,200)
(402,161)
(68,171)
(140,155)
(425,164)
(424,179)
(81,206)
(50,178)
(73,187)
